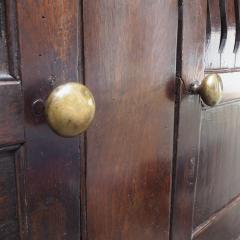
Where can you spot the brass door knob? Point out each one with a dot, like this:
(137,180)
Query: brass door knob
(70,109)
(210,89)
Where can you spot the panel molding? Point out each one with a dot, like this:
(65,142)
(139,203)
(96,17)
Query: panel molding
(9,46)
(10,193)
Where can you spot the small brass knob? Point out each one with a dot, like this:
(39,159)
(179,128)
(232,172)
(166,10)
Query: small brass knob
(70,109)
(210,89)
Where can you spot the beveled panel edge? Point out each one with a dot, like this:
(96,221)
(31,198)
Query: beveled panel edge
(12,41)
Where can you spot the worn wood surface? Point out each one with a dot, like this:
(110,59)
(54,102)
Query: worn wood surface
(130,50)
(49,37)
(188,112)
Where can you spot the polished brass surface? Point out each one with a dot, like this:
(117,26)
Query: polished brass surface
(210,89)
(70,109)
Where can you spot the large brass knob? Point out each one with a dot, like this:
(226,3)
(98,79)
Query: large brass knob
(70,109)
(210,89)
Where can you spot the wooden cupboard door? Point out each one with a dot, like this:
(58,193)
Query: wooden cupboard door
(114,181)
(130,55)
(207,190)
(49,46)
(11,125)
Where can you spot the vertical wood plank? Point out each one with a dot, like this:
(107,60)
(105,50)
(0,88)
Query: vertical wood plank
(49,44)
(130,51)
(191,49)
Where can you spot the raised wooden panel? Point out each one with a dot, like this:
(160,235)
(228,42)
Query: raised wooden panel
(130,51)
(9,220)
(11,113)
(218,171)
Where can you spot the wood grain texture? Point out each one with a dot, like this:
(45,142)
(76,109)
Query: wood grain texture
(50,45)
(219,165)
(11,115)
(9,226)
(130,51)
(191,48)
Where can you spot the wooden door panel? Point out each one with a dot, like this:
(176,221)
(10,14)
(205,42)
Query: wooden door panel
(50,46)
(207,179)
(9,215)
(218,169)
(130,67)
(11,125)
(190,66)
(217,190)
(11,117)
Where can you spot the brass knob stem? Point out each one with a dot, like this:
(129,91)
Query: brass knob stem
(210,89)
(70,109)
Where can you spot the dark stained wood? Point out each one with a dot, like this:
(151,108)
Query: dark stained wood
(191,47)
(12,39)
(11,124)
(50,46)
(152,165)
(223,224)
(4,64)
(9,225)
(11,117)
(218,177)
(130,51)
